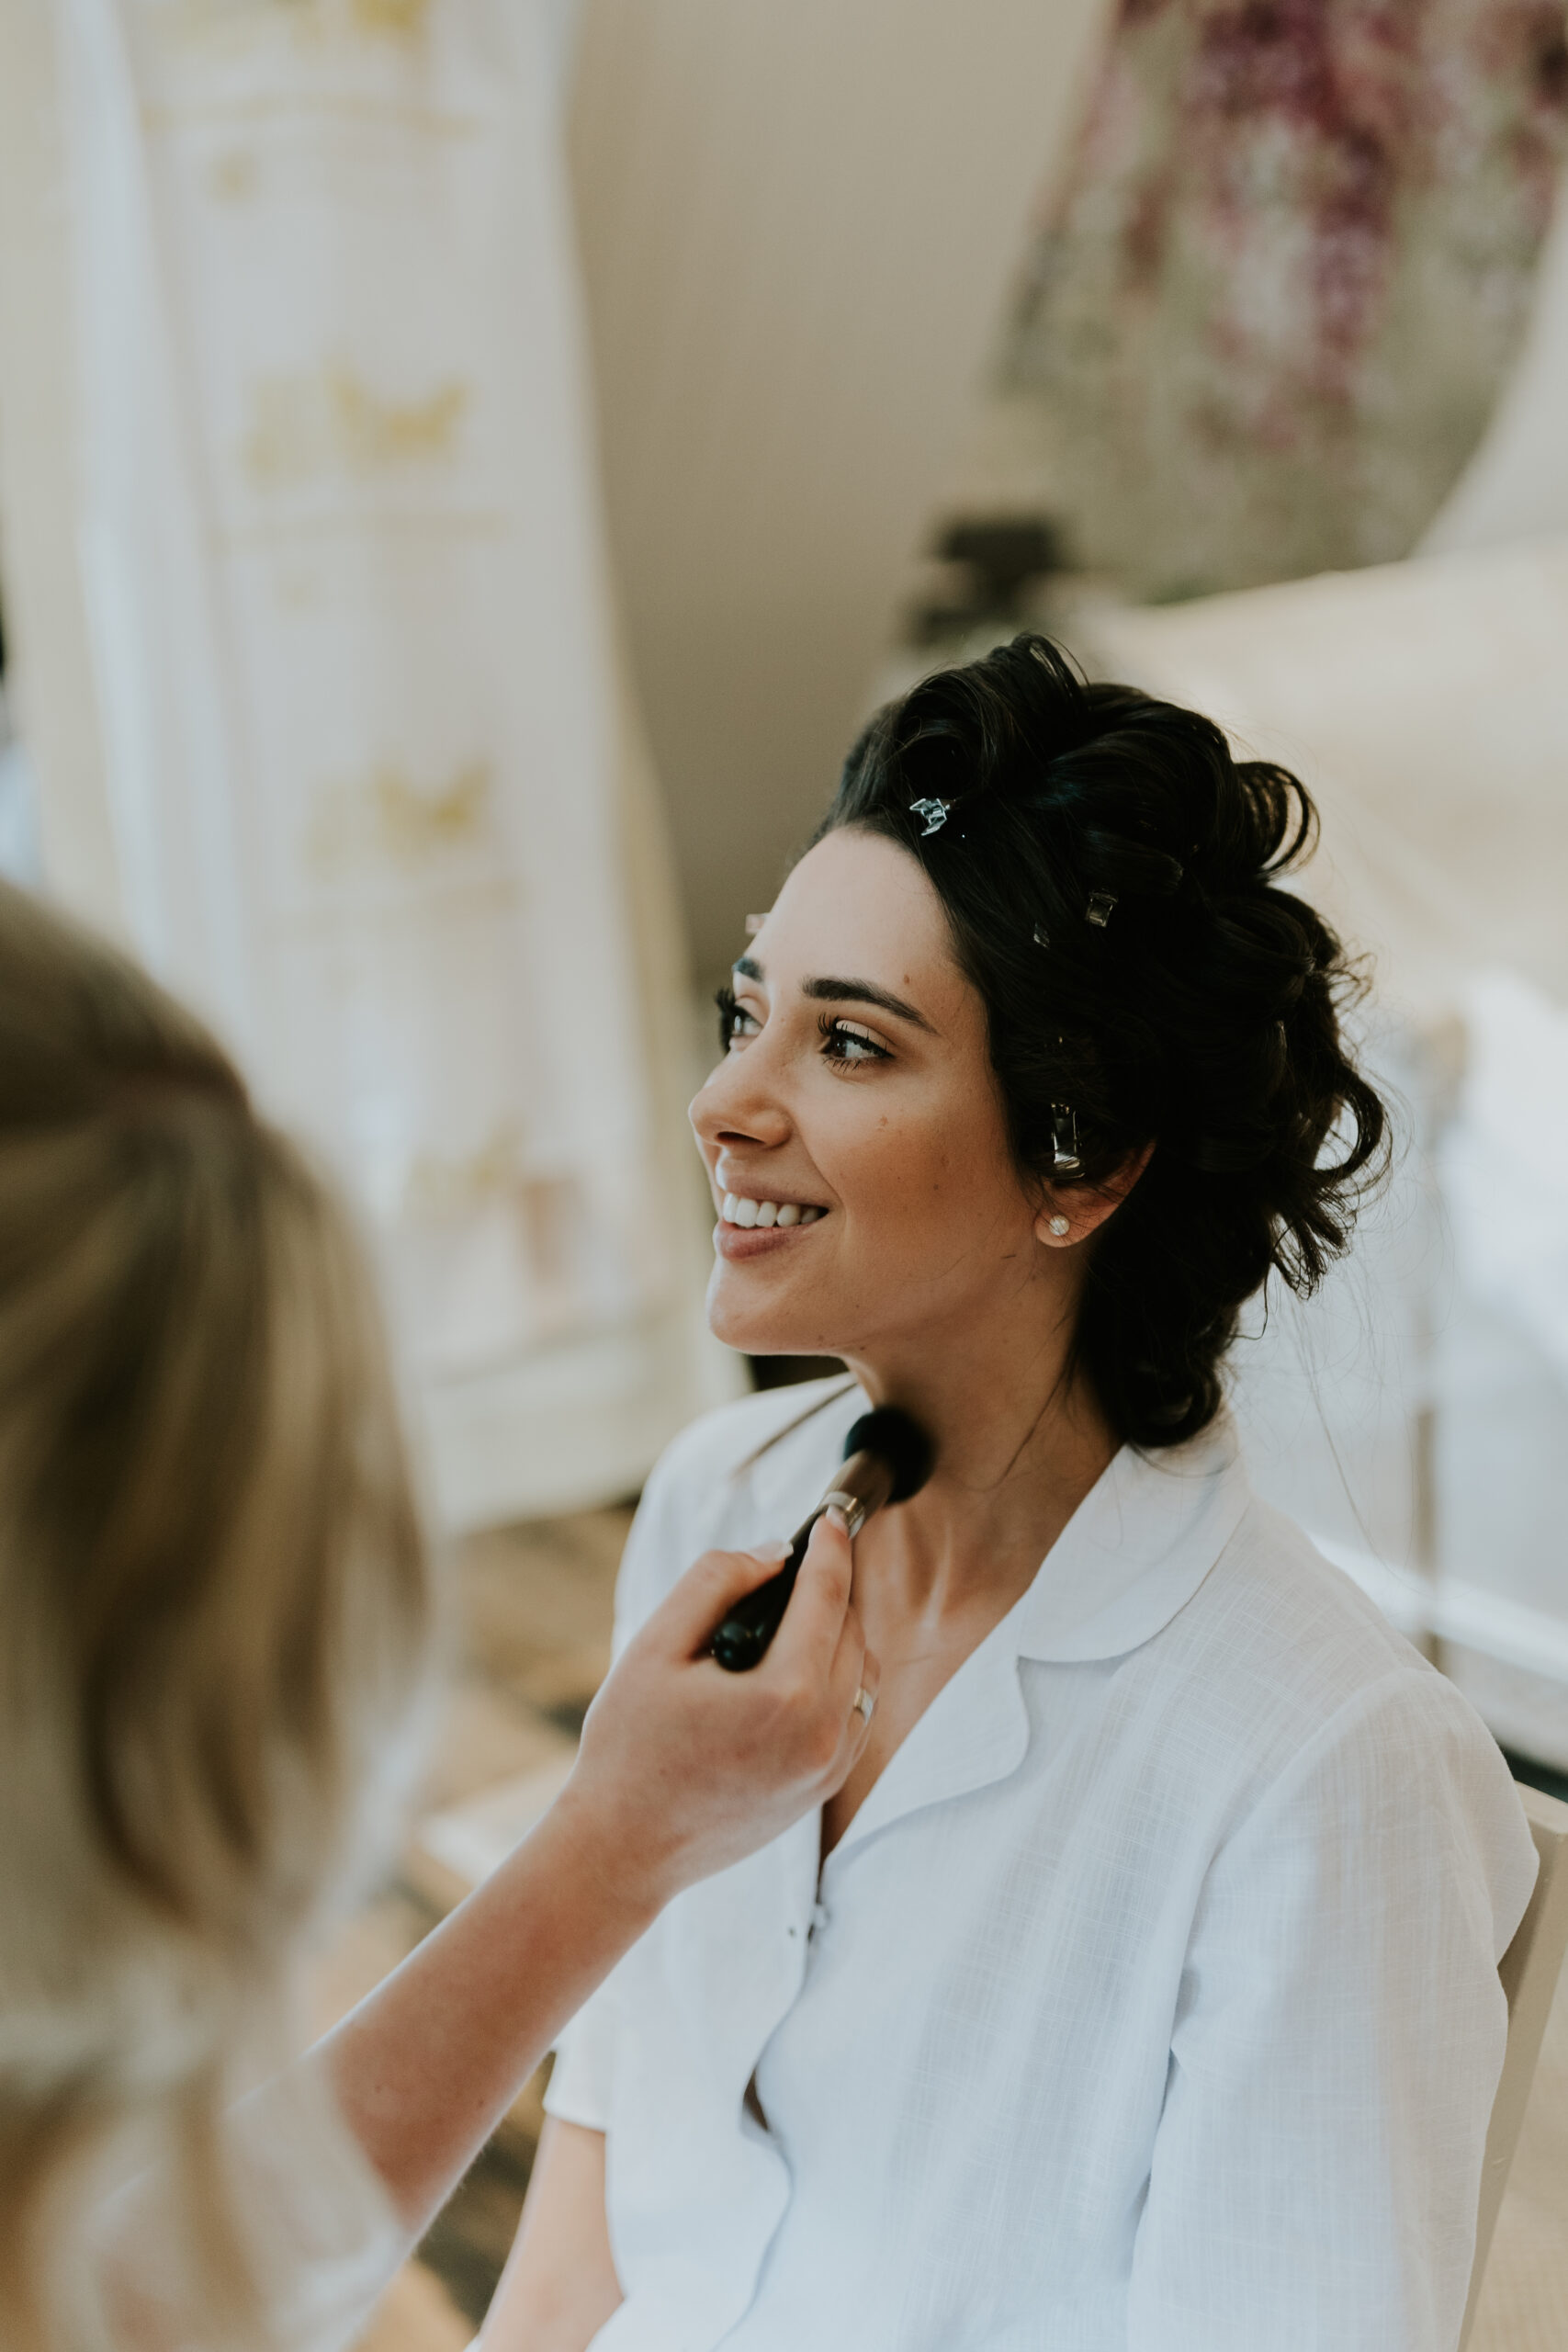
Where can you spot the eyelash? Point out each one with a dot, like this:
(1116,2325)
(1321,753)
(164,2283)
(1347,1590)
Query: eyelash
(834,1031)
(730,1013)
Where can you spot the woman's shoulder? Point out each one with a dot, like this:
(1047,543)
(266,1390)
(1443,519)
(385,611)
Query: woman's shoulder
(1298,1658)
(1304,1718)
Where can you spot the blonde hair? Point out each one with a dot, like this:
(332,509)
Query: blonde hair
(214,1595)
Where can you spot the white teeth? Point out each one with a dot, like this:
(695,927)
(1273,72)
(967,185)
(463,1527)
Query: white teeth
(738,1209)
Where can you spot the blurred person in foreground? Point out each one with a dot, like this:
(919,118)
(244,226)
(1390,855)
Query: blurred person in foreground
(216,1613)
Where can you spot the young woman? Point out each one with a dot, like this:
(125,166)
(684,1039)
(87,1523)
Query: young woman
(1138,1989)
(215,1608)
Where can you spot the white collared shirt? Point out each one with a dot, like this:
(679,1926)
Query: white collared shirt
(1149,2001)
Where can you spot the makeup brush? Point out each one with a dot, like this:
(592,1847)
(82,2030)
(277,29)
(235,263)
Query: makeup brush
(887,1458)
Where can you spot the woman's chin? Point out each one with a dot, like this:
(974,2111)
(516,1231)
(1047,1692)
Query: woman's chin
(739,1319)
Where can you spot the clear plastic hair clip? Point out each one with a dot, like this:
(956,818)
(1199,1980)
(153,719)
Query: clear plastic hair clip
(1097,911)
(934,813)
(1042,936)
(1066,1159)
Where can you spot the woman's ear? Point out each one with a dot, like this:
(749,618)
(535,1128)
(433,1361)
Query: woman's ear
(1070,1213)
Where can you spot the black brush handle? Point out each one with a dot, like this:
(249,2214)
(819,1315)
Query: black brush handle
(861,1487)
(887,1457)
(742,1642)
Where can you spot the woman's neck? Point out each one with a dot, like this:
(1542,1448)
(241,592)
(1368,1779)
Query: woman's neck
(1020,1439)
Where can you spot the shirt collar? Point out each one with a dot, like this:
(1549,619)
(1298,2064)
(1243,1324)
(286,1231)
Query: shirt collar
(1135,1550)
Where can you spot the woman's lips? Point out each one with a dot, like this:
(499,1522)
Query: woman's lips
(750,1228)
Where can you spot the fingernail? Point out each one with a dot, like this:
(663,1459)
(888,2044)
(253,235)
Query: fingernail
(837,1518)
(775,1548)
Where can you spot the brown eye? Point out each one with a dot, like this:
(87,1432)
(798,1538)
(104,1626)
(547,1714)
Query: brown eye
(850,1045)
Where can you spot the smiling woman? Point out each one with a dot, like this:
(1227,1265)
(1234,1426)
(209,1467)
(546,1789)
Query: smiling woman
(870,1104)
(1151,1943)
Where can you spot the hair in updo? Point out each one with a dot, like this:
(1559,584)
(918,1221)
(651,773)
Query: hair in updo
(1110,872)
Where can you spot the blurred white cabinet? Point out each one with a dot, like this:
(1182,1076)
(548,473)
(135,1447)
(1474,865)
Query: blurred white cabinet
(1415,1416)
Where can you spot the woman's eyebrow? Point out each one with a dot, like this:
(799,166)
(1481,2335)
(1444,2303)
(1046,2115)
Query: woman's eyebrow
(836,992)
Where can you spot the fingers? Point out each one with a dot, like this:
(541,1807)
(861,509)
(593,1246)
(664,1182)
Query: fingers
(808,1641)
(818,1662)
(686,1619)
(821,1643)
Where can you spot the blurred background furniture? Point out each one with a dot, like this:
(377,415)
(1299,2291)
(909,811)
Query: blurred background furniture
(1415,1416)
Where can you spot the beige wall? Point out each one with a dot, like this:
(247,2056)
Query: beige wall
(797,223)
(45,621)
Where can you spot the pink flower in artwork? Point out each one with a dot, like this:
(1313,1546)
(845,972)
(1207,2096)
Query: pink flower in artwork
(1268,323)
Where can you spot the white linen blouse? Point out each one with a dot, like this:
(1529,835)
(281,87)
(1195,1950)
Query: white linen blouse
(1149,2001)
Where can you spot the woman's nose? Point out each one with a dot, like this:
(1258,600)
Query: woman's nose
(736,1104)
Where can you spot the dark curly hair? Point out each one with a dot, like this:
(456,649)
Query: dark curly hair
(1109,872)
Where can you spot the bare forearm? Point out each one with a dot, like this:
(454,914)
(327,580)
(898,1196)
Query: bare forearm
(420,2072)
(559,2287)
(681,1769)
(425,2067)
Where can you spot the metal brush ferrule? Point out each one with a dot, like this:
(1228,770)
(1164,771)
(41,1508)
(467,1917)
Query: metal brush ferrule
(852,1507)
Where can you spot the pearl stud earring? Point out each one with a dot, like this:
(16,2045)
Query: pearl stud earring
(1059,1224)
